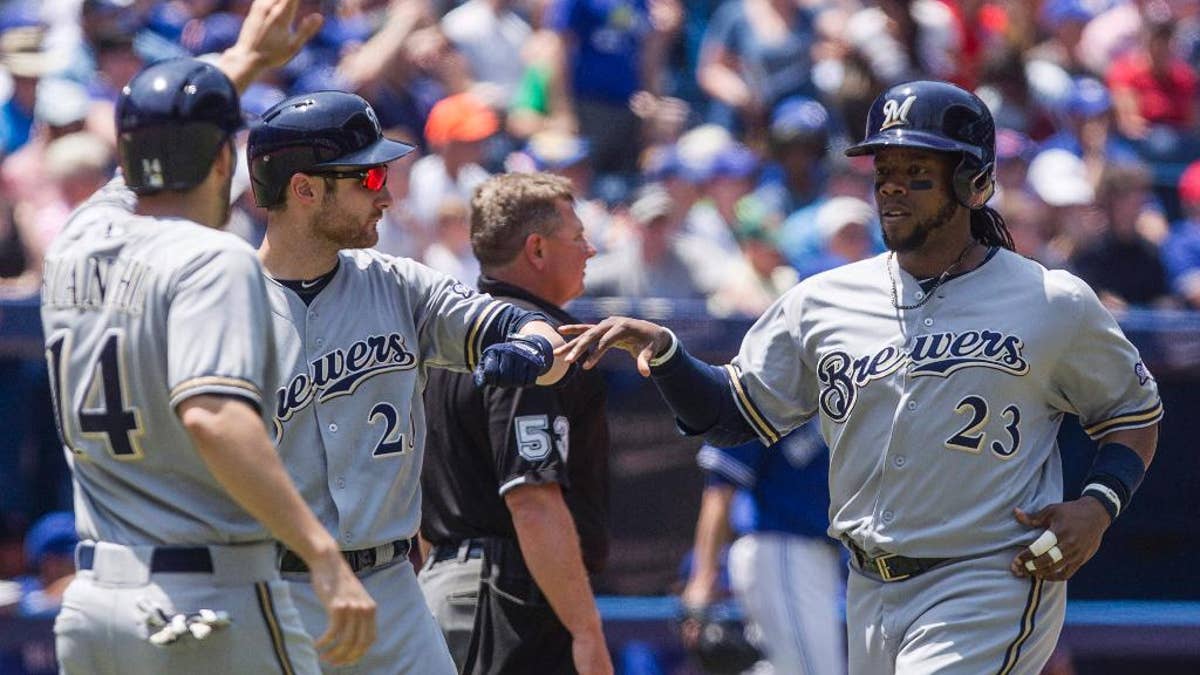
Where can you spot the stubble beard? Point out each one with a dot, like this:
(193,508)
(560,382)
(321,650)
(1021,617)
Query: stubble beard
(921,231)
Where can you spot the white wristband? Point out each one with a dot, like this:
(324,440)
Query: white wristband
(1105,492)
(659,360)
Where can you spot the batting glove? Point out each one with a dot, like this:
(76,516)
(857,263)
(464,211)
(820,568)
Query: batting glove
(518,362)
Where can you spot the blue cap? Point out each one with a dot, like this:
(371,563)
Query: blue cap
(736,161)
(800,119)
(53,533)
(1089,97)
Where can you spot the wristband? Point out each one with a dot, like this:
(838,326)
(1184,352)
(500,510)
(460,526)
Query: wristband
(1118,470)
(666,356)
(1107,497)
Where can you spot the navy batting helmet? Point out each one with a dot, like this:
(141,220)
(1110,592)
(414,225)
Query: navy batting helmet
(316,131)
(172,119)
(941,117)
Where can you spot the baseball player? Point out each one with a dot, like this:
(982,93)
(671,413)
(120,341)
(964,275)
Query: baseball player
(940,372)
(159,345)
(784,571)
(357,331)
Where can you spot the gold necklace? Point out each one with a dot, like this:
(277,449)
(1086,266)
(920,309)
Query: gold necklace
(941,277)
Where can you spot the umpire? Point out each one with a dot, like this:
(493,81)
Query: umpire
(515,481)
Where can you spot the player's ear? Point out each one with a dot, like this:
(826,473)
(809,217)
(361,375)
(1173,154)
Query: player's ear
(303,187)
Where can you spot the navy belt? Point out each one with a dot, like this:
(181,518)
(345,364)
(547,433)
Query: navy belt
(362,559)
(178,559)
(891,567)
(443,552)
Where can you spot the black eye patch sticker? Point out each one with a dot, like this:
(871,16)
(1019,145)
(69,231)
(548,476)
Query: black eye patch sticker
(921,184)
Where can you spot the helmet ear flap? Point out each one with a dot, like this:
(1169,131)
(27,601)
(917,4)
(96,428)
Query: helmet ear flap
(974,183)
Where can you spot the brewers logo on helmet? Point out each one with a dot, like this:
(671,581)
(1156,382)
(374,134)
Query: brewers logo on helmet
(940,117)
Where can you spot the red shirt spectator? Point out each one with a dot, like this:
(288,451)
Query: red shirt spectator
(1161,100)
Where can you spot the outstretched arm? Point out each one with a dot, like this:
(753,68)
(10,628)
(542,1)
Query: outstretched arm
(697,392)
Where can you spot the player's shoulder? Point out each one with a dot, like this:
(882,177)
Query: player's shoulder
(1055,285)
(412,274)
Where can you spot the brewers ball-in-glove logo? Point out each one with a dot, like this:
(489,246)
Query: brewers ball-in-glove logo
(933,354)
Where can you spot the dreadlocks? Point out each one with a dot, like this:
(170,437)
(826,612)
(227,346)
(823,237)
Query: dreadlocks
(988,227)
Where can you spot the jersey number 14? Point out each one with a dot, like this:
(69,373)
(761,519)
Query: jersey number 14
(102,413)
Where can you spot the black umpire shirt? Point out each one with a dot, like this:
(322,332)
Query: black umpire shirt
(483,442)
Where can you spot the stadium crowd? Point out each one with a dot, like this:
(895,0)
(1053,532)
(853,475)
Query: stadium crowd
(706,136)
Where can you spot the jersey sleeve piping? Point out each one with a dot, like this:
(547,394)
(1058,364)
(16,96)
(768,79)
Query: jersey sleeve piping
(214,384)
(712,459)
(478,329)
(1134,420)
(753,415)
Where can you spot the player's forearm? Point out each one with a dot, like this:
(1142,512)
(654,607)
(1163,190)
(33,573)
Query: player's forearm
(712,531)
(550,545)
(547,331)
(231,440)
(1143,441)
(698,394)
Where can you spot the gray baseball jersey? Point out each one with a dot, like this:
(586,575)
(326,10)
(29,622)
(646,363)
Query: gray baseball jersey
(349,419)
(943,418)
(140,314)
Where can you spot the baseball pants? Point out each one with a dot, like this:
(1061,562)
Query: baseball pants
(105,622)
(789,587)
(408,641)
(451,589)
(965,617)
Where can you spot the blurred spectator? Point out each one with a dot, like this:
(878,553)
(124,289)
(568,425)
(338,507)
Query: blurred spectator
(799,135)
(759,273)
(450,251)
(490,34)
(1064,21)
(50,560)
(1123,267)
(455,131)
(399,232)
(1151,85)
(844,226)
(74,166)
(25,62)
(1181,250)
(61,108)
(541,100)
(611,49)
(652,263)
(1006,88)
(1059,179)
(755,54)
(568,155)
(729,176)
(1087,127)
(906,39)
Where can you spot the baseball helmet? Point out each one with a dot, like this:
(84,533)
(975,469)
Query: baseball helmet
(172,119)
(322,130)
(941,117)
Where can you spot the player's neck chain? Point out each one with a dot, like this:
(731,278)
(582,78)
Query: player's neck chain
(938,282)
